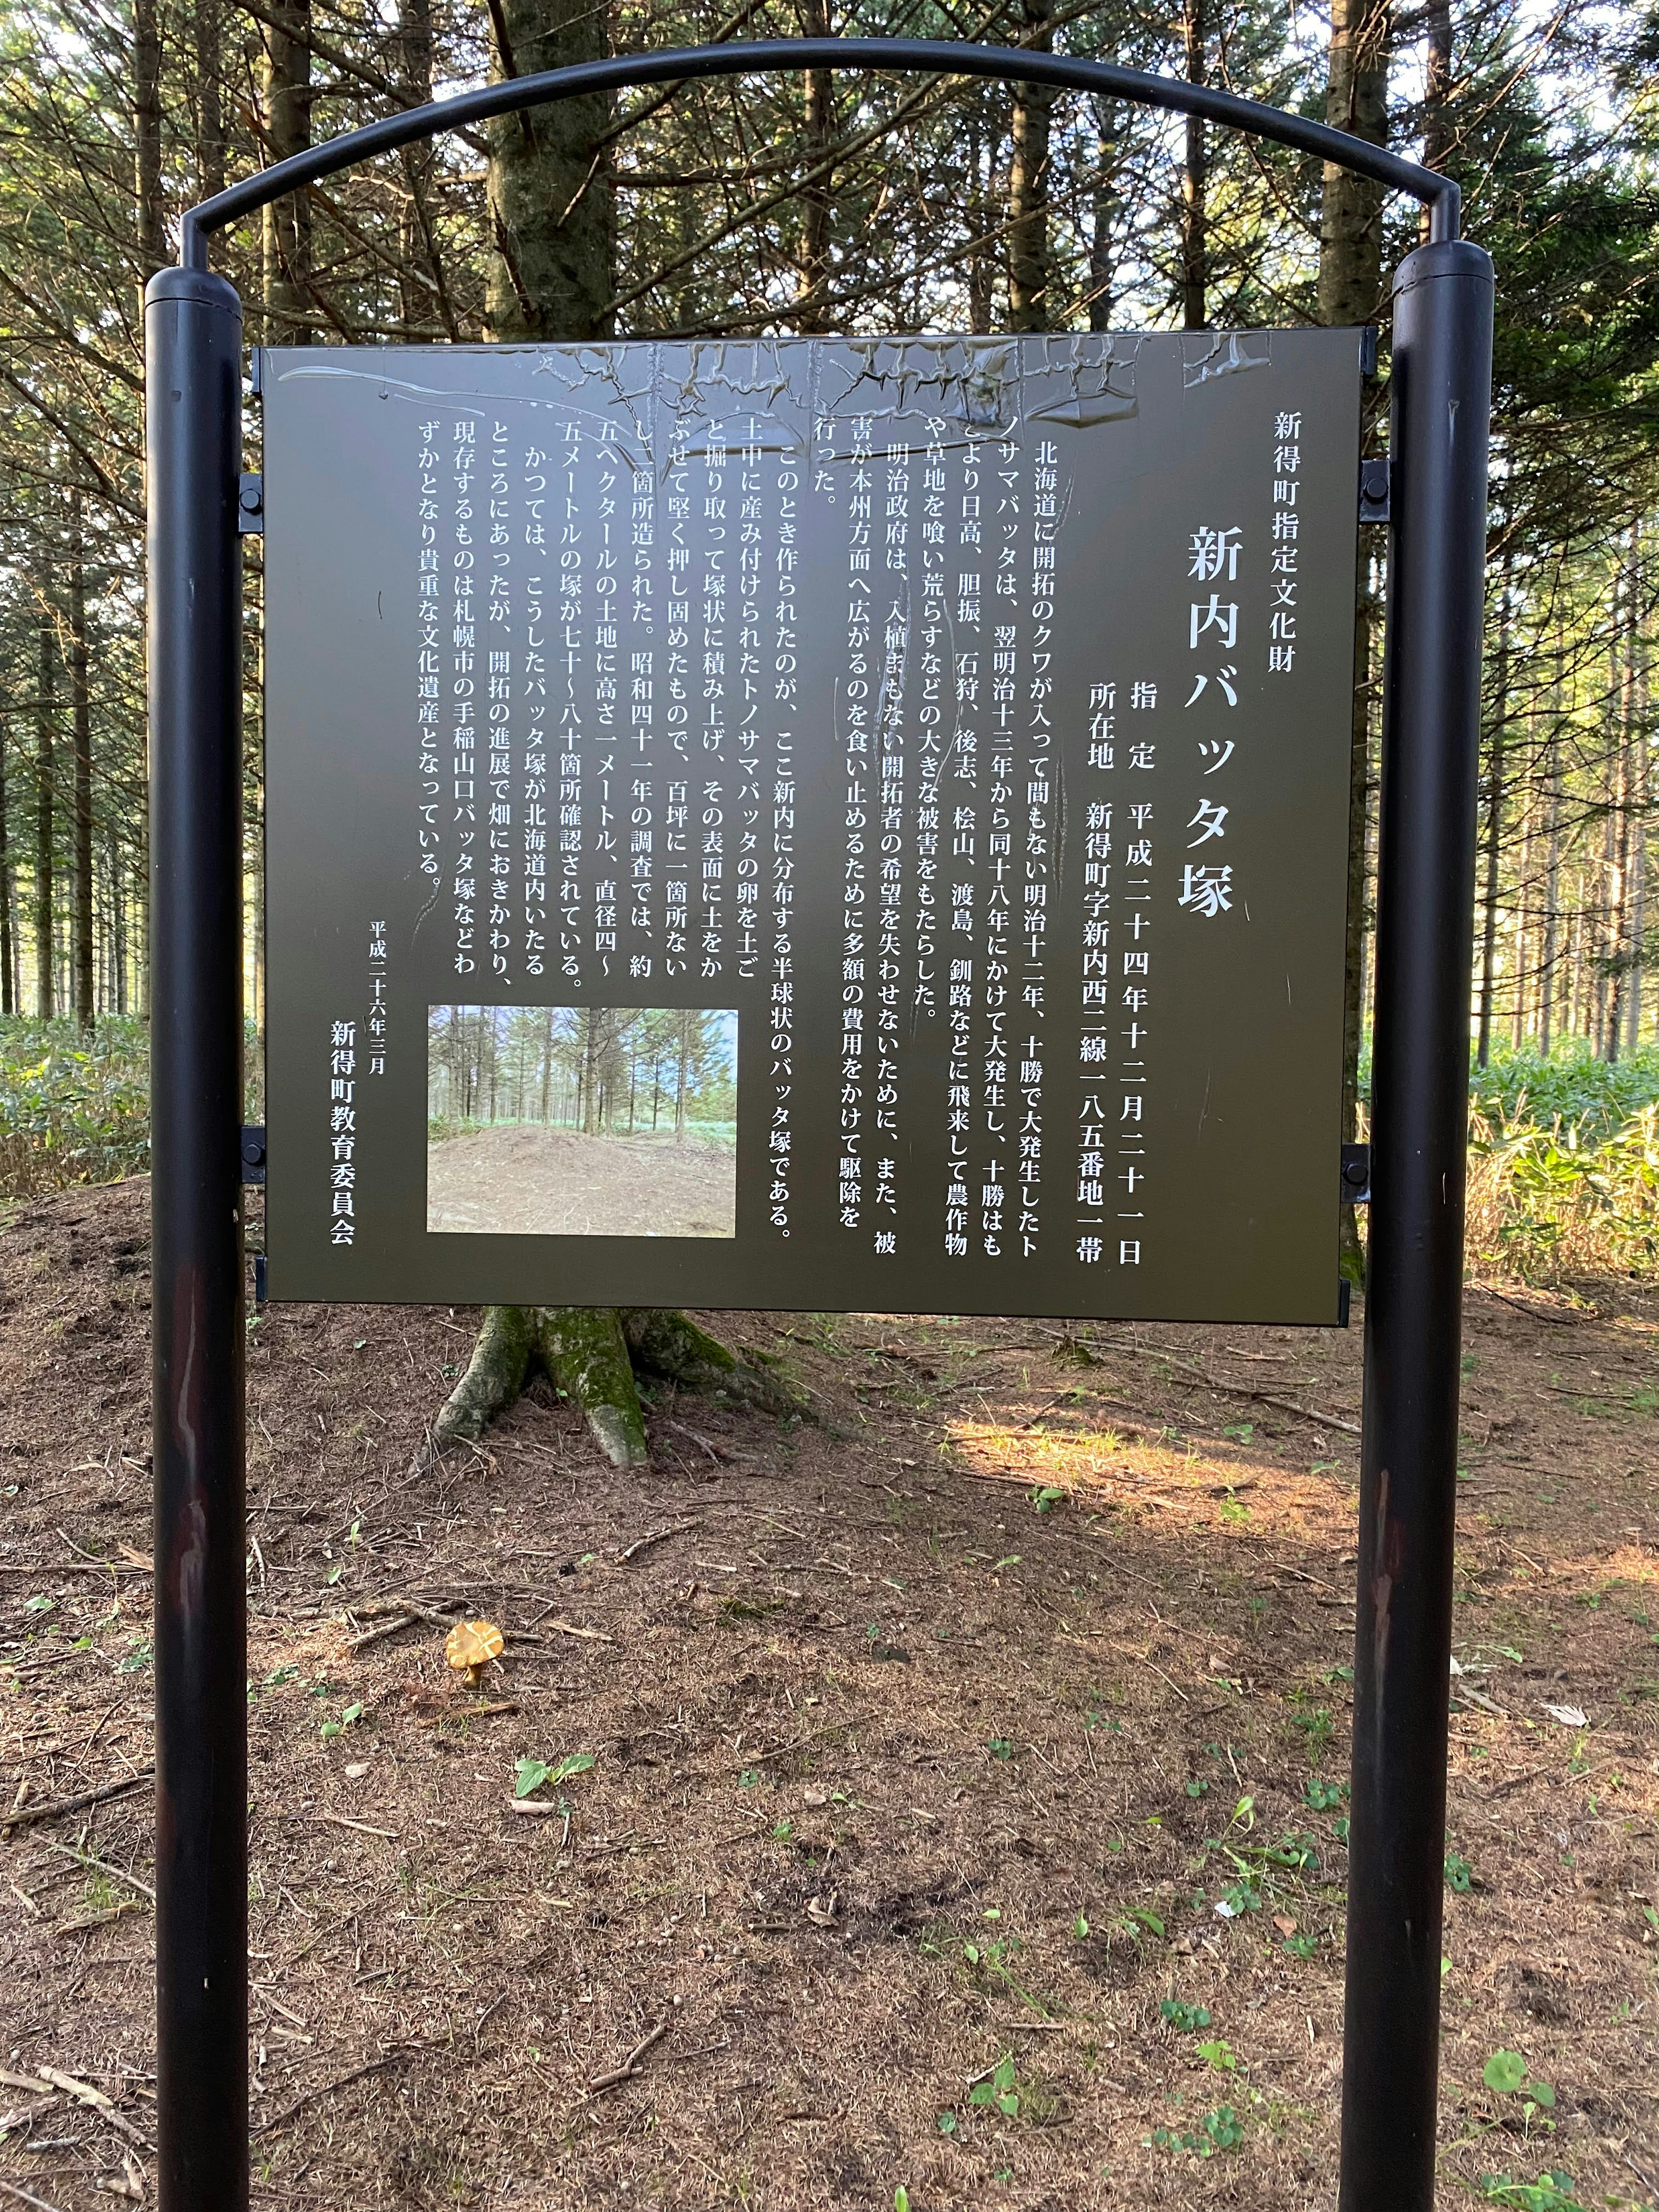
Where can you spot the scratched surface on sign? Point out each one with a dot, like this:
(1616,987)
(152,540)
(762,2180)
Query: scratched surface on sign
(813,822)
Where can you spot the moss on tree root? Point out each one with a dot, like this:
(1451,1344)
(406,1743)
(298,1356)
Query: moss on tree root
(593,1353)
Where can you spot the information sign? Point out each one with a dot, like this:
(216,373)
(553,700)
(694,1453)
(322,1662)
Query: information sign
(811,822)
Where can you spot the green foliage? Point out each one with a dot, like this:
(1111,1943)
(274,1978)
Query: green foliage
(1002,2090)
(532,1774)
(1460,1874)
(1506,2072)
(1557,1196)
(1550,2192)
(73,1110)
(1187,2018)
(1571,1087)
(1221,2130)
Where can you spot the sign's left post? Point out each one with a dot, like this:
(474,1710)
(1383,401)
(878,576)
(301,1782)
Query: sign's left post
(193,440)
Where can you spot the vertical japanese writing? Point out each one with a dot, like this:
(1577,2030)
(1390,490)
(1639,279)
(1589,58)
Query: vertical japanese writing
(786,694)
(567,735)
(1287,464)
(714,792)
(607,770)
(497,662)
(1096,1017)
(746,690)
(343,1132)
(462,688)
(855,742)
(535,808)
(676,688)
(1040,874)
(643,912)
(1213,556)
(887,776)
(428,665)
(377,1013)
(963,830)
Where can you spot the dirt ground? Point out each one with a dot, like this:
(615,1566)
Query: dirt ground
(516,1180)
(922,1734)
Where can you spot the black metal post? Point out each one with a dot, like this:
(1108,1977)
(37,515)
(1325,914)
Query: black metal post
(193,333)
(1442,388)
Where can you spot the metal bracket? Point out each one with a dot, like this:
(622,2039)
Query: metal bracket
(1355,1175)
(260,1291)
(251,507)
(1374,481)
(254,1152)
(1344,1300)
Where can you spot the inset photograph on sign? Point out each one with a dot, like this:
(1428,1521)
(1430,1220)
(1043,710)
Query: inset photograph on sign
(582,1120)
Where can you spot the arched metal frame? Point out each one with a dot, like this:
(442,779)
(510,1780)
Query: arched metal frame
(682,64)
(1440,399)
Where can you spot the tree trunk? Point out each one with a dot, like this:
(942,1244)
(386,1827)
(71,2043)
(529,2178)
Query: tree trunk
(552,216)
(979,260)
(80,725)
(1350,286)
(1523,889)
(287,232)
(1619,945)
(1030,308)
(1641,781)
(1551,874)
(207,21)
(46,775)
(1438,133)
(1103,257)
(1495,759)
(8,948)
(817,200)
(415,243)
(591,1353)
(1351,206)
(147,139)
(551,199)
(1194,180)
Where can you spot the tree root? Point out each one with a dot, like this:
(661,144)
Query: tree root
(592,1354)
(587,1354)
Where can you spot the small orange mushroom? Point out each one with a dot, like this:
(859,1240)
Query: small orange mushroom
(469,1647)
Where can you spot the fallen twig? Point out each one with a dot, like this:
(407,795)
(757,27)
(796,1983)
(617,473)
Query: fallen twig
(715,1451)
(630,2065)
(657,1536)
(340,1820)
(24,2197)
(1536,1313)
(345,2080)
(85,2094)
(533,1805)
(102,1866)
(1233,1390)
(26,1816)
(589,1635)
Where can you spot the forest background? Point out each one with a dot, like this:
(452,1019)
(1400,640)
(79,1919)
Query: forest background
(815,202)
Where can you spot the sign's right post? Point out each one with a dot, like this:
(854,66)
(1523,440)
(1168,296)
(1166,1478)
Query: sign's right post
(1440,419)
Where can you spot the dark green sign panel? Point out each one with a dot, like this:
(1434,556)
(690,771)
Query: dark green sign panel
(810,823)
